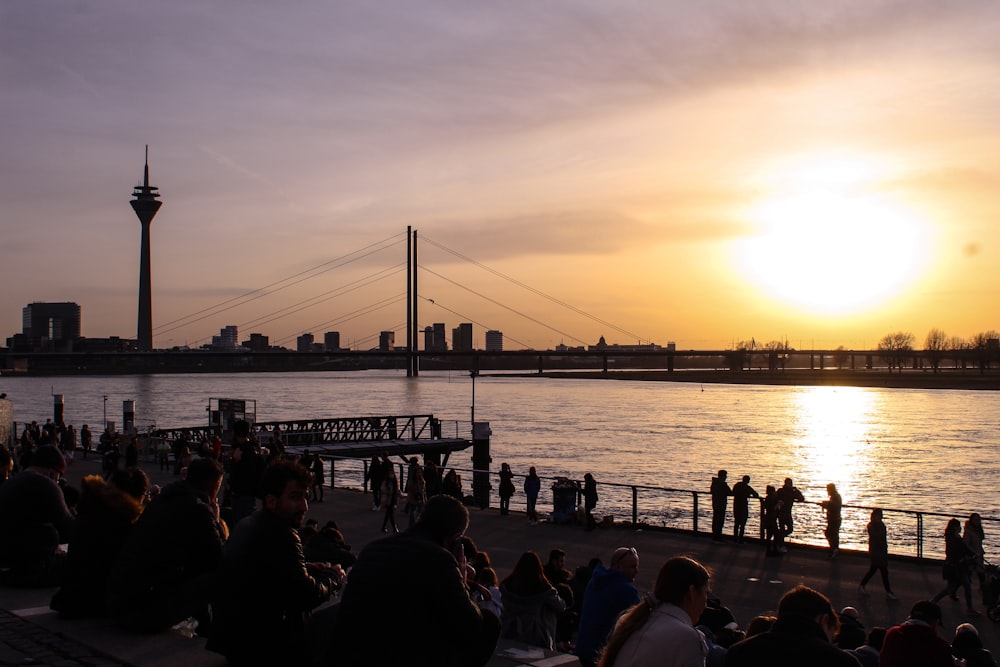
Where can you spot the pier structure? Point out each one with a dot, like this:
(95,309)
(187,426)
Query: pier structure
(346,437)
(145,205)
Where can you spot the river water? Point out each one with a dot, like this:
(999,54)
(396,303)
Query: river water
(908,449)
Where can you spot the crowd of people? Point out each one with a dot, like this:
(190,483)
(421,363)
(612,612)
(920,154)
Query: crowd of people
(226,551)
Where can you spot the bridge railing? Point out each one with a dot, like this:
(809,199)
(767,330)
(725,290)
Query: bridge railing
(913,533)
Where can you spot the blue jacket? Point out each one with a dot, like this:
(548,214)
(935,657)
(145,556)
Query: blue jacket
(608,594)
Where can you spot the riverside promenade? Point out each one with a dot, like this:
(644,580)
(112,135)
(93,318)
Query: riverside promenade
(747,582)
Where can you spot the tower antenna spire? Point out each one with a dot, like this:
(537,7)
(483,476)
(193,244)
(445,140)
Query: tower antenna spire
(145,205)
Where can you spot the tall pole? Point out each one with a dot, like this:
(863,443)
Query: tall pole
(410,339)
(145,206)
(416,299)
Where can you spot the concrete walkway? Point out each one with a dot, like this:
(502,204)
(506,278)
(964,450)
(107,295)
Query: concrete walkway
(746,580)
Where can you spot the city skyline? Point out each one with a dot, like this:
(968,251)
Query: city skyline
(698,174)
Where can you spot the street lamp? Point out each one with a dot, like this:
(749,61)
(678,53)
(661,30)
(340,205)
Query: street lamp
(473,374)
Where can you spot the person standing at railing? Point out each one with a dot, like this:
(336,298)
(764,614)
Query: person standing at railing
(742,492)
(789,494)
(590,500)
(771,507)
(532,485)
(720,498)
(833,507)
(506,488)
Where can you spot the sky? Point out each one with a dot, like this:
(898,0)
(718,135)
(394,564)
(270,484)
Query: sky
(697,173)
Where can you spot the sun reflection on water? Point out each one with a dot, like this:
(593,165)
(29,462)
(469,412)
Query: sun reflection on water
(833,433)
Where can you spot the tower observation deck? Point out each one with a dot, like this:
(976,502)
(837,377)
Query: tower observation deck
(145,205)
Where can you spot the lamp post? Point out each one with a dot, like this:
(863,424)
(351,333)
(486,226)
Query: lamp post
(473,374)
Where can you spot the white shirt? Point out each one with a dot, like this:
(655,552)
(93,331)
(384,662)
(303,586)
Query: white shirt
(666,639)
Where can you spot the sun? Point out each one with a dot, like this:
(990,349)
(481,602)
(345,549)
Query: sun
(827,241)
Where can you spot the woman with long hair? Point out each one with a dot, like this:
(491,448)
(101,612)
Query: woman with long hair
(660,629)
(957,570)
(531,606)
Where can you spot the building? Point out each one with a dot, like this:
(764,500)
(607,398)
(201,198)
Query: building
(304,343)
(331,341)
(461,337)
(438,342)
(227,340)
(257,343)
(48,327)
(494,341)
(386,341)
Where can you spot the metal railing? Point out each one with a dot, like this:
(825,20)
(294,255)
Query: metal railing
(912,533)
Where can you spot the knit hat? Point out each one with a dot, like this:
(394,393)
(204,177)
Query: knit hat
(48,456)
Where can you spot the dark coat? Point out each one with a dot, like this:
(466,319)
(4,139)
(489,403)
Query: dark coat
(432,620)
(506,484)
(105,516)
(264,594)
(165,568)
(878,543)
(790,642)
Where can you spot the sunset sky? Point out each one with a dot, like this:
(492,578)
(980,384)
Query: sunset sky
(701,173)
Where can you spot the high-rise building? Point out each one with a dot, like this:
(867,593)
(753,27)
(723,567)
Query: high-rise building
(461,337)
(145,206)
(494,341)
(304,343)
(440,341)
(331,341)
(227,340)
(386,341)
(51,326)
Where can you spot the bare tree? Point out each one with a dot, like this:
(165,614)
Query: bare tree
(958,345)
(934,347)
(895,347)
(986,345)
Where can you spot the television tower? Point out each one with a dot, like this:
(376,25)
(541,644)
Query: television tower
(145,207)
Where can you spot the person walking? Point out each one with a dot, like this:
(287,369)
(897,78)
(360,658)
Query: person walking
(957,571)
(833,507)
(973,537)
(532,485)
(720,498)
(390,498)
(742,492)
(506,488)
(590,500)
(878,554)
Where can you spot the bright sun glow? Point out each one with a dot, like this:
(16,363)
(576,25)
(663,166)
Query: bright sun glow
(830,243)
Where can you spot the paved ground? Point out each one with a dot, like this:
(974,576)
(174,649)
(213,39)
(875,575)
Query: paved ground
(747,582)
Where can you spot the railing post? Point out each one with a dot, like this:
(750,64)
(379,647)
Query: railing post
(635,508)
(364,475)
(920,535)
(694,522)
(333,473)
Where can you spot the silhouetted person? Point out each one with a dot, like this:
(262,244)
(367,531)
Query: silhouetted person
(590,499)
(720,498)
(742,492)
(878,554)
(788,494)
(833,508)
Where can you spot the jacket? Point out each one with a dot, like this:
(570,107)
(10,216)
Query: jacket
(263,594)
(608,594)
(530,618)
